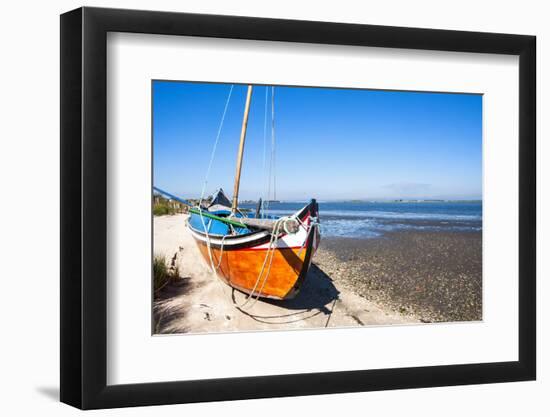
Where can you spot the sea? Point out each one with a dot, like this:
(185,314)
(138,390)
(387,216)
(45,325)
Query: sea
(366,219)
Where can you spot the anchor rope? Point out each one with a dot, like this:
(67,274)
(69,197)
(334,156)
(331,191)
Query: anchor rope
(279,223)
(313,223)
(211,257)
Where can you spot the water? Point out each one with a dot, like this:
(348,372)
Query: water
(374,219)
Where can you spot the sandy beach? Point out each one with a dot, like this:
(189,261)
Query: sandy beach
(400,277)
(199,302)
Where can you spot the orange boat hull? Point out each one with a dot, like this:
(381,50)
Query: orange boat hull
(241,269)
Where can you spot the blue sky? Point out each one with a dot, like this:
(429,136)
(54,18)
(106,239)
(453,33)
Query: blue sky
(331,144)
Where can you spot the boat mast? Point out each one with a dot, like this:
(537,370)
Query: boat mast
(241,152)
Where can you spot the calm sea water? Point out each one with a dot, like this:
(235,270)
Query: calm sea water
(373,219)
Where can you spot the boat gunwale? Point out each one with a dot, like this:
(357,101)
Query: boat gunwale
(250,238)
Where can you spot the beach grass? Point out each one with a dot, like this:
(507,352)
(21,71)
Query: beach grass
(163,210)
(162,274)
(165,207)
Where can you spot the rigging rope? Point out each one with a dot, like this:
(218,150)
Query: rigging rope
(262,211)
(273,143)
(215,146)
(271,176)
(280,224)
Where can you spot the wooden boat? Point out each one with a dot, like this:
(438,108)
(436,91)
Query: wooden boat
(250,260)
(260,255)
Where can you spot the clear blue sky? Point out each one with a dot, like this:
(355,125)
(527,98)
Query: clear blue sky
(331,144)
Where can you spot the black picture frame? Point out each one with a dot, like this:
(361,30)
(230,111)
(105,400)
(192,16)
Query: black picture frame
(84,207)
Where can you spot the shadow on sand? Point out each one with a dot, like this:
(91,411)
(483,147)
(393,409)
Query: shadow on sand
(166,312)
(318,295)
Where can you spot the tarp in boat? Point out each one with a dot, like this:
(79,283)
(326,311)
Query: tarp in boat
(220,202)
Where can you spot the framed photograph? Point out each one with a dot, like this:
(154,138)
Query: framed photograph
(257,208)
